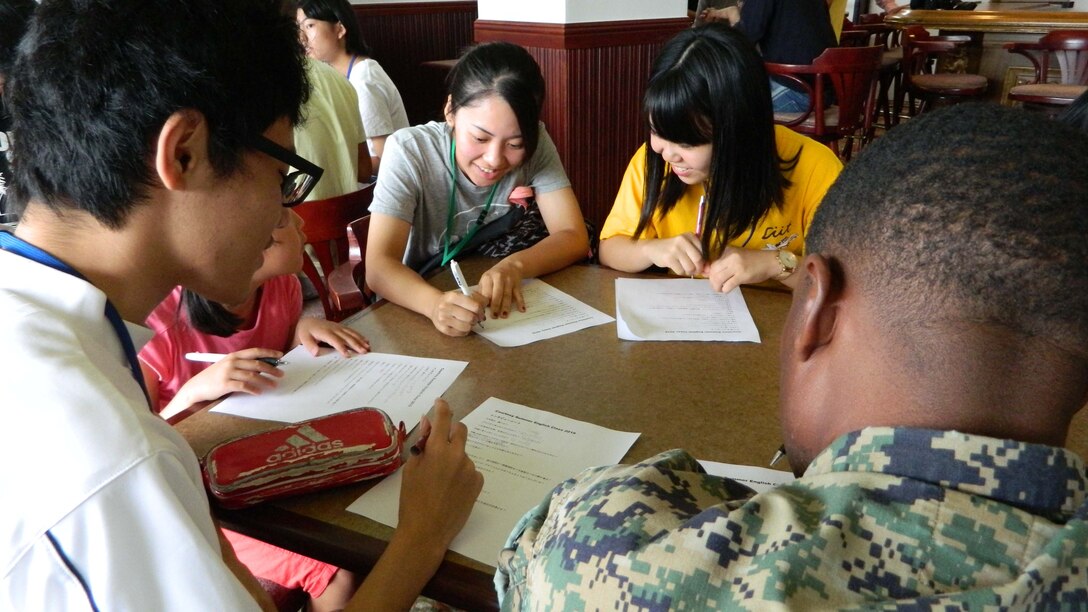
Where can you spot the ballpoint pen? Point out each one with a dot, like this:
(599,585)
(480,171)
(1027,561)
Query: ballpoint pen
(778,455)
(214,357)
(459,278)
(700,220)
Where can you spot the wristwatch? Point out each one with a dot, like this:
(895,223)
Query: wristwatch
(788,261)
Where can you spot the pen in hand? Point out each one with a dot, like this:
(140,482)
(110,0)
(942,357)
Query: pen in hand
(459,278)
(700,220)
(781,452)
(214,357)
(424,433)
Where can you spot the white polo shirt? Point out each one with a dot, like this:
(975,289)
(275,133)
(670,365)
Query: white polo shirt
(102,499)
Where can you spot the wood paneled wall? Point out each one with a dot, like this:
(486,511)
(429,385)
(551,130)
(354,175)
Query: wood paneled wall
(402,36)
(596,74)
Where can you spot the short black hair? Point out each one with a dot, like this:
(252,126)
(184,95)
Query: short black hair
(14,16)
(975,214)
(709,85)
(505,70)
(95,80)
(338,11)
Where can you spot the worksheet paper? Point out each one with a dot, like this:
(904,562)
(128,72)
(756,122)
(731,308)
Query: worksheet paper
(548,313)
(759,479)
(404,387)
(681,309)
(523,454)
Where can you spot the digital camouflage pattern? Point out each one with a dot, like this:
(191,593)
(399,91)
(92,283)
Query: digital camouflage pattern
(884,518)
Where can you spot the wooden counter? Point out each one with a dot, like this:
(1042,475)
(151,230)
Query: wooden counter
(1010,22)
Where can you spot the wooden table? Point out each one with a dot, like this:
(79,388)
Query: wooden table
(717,400)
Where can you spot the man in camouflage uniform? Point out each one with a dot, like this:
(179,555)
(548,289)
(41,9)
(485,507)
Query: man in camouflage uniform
(935,353)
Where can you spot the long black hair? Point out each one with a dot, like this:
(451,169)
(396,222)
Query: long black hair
(709,85)
(207,316)
(338,11)
(505,70)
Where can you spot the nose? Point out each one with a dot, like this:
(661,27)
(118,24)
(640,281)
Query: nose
(298,221)
(493,154)
(664,148)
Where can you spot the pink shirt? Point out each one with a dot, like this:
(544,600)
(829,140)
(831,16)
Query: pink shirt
(278,310)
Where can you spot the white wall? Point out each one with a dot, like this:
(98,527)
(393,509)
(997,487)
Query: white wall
(568,11)
(580,11)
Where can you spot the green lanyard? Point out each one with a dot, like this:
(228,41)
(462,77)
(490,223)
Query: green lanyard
(448,254)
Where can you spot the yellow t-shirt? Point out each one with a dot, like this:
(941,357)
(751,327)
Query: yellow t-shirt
(782,227)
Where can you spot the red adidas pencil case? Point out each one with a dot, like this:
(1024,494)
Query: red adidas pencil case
(303,457)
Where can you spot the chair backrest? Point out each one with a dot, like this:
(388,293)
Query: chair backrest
(920,48)
(1067,48)
(348,291)
(852,73)
(325,223)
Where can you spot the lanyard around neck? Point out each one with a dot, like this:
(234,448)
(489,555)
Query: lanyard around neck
(351,64)
(17,246)
(447,253)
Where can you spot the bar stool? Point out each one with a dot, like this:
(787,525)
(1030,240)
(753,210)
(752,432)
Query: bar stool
(1066,48)
(921,80)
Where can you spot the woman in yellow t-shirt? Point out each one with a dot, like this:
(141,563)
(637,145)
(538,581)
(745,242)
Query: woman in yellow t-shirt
(733,194)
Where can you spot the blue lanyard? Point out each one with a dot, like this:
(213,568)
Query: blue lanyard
(351,64)
(10,243)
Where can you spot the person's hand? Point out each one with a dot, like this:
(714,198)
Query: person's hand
(737,267)
(237,372)
(454,313)
(501,287)
(310,332)
(441,483)
(682,254)
(729,14)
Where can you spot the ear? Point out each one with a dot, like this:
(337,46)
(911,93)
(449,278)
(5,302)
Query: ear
(448,110)
(182,142)
(816,306)
(341,31)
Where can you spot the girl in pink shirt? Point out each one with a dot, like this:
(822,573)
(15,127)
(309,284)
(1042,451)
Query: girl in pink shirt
(265,325)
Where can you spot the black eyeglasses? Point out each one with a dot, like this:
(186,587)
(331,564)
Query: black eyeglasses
(298,183)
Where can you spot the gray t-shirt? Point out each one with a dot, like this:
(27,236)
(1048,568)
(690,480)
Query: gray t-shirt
(414,186)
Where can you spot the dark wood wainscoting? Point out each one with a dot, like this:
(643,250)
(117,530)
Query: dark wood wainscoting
(595,74)
(403,36)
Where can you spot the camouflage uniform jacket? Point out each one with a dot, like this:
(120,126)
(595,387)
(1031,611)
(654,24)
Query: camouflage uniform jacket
(883,518)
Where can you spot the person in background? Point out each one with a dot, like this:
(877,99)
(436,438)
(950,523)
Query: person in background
(787,32)
(444,181)
(934,355)
(140,167)
(331,133)
(331,34)
(889,7)
(14,17)
(717,189)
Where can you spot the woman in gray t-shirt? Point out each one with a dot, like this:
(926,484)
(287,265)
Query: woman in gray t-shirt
(424,206)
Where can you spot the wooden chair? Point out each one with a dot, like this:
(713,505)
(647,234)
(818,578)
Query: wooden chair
(891,63)
(1068,49)
(923,84)
(852,74)
(324,223)
(348,291)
